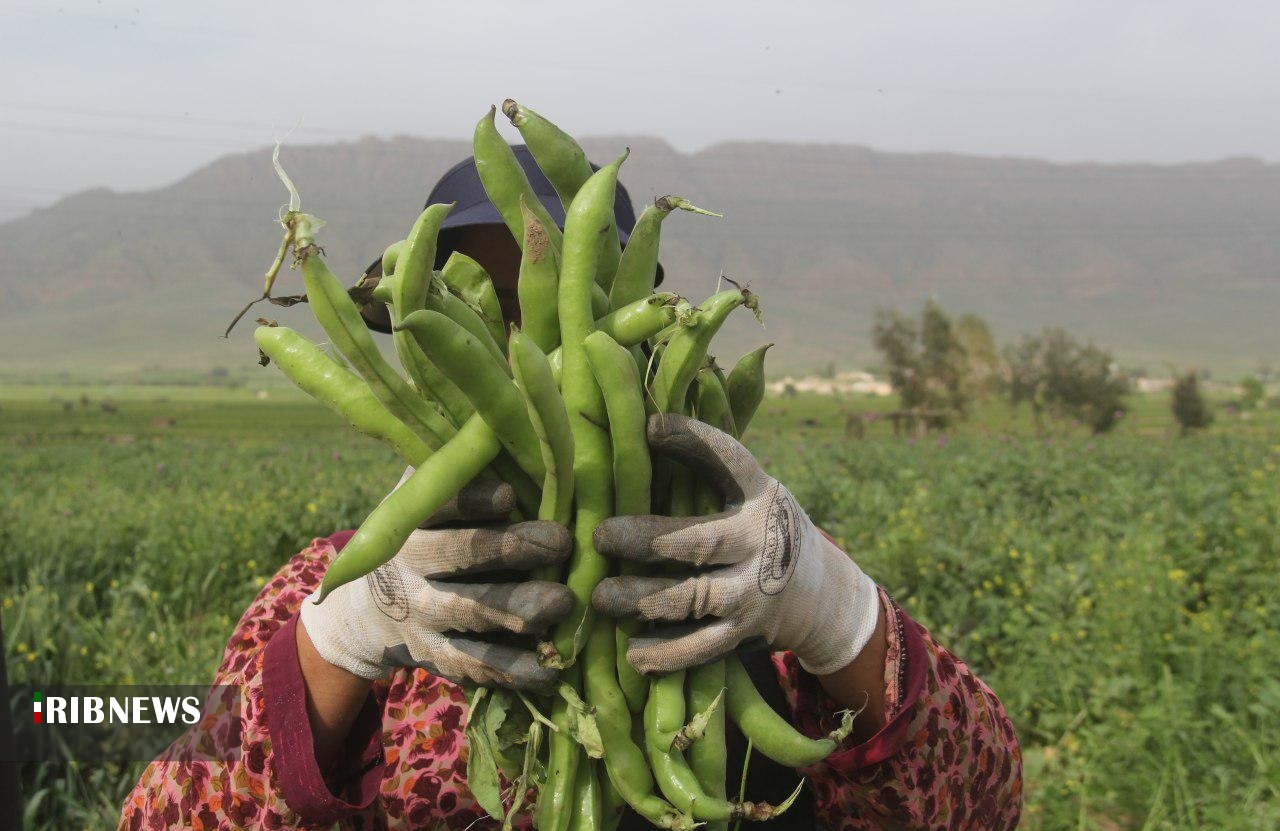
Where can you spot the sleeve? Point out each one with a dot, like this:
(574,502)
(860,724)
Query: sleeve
(248,763)
(947,756)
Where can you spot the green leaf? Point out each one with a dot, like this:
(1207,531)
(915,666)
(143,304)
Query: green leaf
(482,769)
(582,723)
(506,726)
(532,773)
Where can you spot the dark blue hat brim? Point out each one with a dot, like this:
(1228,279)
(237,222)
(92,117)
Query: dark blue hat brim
(484,213)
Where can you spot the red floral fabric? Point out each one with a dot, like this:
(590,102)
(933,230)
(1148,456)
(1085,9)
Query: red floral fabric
(947,757)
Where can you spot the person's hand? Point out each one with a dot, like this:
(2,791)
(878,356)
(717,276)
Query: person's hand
(409,613)
(760,569)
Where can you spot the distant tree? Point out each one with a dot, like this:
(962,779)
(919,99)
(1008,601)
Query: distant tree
(1094,388)
(897,340)
(1251,392)
(1189,407)
(982,358)
(1055,373)
(1025,377)
(942,361)
(924,360)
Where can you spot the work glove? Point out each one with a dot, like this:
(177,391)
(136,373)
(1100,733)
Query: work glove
(409,613)
(759,570)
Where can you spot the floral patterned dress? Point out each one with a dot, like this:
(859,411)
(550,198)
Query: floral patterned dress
(947,756)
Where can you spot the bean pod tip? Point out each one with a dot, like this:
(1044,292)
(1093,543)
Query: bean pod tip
(512,111)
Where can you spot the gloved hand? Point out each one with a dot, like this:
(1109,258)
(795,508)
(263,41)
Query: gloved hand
(404,614)
(762,570)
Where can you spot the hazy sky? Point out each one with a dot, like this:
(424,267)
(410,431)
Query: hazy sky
(135,94)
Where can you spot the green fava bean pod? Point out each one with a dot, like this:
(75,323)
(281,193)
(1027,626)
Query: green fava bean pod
(495,397)
(641,319)
(338,388)
(433,383)
(638,267)
(557,153)
(441,300)
(686,349)
(769,732)
(711,402)
(612,803)
(714,366)
(663,717)
(550,422)
(565,165)
(433,483)
(425,376)
(588,801)
(383,291)
(610,255)
(554,808)
(415,263)
(619,379)
(624,761)
(468,280)
(635,323)
(592,464)
(666,695)
(599,302)
(505,182)
(341,321)
(390,256)
(538,283)
(745,386)
(412,264)
(634,686)
(421,371)
(708,756)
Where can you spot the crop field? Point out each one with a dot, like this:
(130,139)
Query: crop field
(1119,593)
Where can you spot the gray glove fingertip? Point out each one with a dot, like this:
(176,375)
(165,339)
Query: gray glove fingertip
(680,647)
(480,500)
(485,498)
(546,542)
(632,537)
(712,453)
(521,608)
(621,596)
(505,666)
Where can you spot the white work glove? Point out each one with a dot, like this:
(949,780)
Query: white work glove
(762,570)
(405,614)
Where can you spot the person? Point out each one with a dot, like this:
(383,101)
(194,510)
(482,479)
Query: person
(347,713)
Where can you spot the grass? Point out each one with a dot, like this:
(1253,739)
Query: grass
(1117,592)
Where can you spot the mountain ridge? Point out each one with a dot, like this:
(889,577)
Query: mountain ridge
(1176,263)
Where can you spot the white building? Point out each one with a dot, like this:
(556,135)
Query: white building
(843,383)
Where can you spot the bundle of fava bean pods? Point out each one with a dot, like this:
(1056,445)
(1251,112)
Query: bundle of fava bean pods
(557,409)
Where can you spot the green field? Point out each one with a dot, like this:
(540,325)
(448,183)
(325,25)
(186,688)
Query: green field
(1119,593)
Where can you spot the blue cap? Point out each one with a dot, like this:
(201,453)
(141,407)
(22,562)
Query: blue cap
(461,184)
